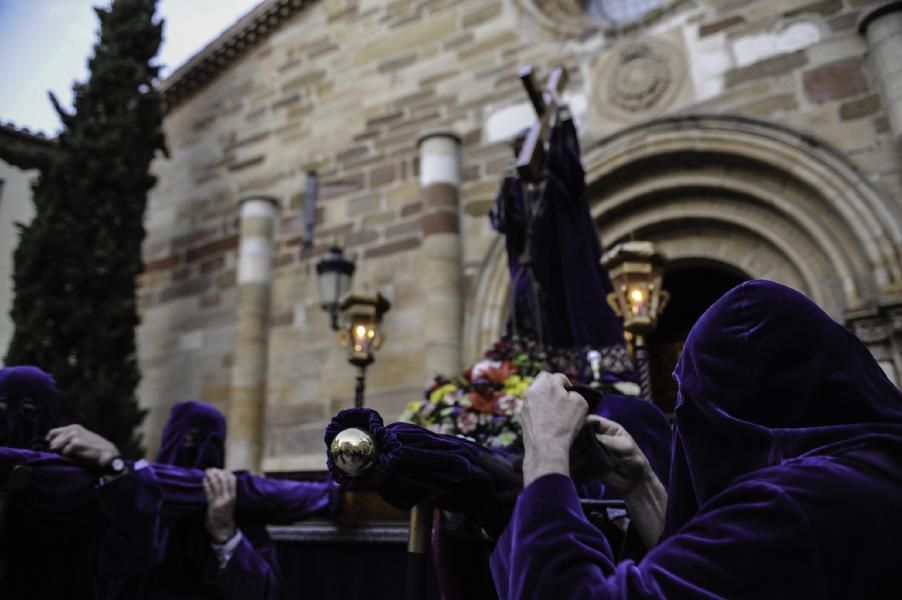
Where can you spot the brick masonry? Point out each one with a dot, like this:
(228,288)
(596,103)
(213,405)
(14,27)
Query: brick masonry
(348,91)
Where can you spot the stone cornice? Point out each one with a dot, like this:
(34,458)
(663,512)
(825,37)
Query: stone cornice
(219,54)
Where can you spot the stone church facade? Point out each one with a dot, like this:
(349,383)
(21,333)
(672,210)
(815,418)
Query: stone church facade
(756,137)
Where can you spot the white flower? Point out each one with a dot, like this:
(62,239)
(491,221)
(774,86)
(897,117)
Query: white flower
(508,405)
(467,422)
(480,368)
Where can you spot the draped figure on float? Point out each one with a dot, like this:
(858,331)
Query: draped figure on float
(459,449)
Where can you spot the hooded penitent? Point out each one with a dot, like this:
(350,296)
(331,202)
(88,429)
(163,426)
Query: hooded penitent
(194,437)
(766,376)
(29,407)
(786,478)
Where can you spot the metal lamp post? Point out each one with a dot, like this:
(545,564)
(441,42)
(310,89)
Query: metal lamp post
(361,334)
(637,270)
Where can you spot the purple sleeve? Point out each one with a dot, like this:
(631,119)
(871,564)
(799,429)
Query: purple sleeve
(750,541)
(274,501)
(134,535)
(252,573)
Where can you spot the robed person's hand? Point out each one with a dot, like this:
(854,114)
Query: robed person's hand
(552,416)
(82,444)
(220,487)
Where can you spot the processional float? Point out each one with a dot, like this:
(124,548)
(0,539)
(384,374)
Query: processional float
(559,318)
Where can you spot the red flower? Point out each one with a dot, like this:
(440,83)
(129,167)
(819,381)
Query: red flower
(500,374)
(484,403)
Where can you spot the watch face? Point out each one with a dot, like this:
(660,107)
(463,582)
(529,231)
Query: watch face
(117,465)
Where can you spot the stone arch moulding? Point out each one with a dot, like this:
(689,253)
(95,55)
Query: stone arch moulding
(770,201)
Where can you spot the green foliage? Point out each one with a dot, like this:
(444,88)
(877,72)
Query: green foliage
(75,309)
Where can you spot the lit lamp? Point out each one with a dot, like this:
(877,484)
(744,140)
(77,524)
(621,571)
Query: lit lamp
(361,335)
(334,273)
(637,270)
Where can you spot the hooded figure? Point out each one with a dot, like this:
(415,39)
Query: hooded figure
(29,407)
(46,557)
(193,437)
(786,478)
(191,566)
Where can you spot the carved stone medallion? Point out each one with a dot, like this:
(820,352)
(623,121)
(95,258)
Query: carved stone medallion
(639,79)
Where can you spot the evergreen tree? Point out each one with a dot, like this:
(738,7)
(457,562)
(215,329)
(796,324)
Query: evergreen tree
(75,309)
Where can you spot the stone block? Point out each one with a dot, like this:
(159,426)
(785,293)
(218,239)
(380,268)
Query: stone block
(770,105)
(364,204)
(769,67)
(221,245)
(860,107)
(834,81)
(385,119)
(247,162)
(163,264)
(188,288)
(383,175)
(821,7)
(486,13)
(441,221)
(490,44)
(411,209)
(351,153)
(707,29)
(403,229)
(401,245)
(361,238)
(412,35)
(398,63)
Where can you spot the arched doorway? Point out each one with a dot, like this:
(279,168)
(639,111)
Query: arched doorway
(693,287)
(753,196)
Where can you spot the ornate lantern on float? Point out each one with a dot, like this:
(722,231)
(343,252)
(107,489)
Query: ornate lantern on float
(361,334)
(637,271)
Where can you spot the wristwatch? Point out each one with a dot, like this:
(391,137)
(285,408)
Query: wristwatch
(117,467)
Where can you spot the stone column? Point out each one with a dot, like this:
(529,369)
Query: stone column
(882,27)
(247,401)
(882,334)
(443,303)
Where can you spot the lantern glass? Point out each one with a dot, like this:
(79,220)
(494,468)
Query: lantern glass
(334,273)
(636,270)
(361,334)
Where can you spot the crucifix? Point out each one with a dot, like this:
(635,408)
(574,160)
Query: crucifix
(546,104)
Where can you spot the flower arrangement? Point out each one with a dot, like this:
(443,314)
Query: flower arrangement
(483,403)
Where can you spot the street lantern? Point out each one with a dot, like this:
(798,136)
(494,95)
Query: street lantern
(361,334)
(334,273)
(637,270)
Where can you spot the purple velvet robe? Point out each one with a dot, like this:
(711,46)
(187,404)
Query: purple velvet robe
(49,556)
(186,567)
(564,252)
(786,479)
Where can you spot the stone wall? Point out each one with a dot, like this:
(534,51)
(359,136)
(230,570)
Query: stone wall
(15,207)
(347,88)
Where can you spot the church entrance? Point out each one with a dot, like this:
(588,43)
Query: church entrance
(693,287)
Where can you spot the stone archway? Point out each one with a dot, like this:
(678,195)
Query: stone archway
(766,200)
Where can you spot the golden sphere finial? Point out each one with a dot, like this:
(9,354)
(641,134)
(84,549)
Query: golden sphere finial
(353,451)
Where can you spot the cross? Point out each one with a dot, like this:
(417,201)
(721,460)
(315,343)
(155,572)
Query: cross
(546,104)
